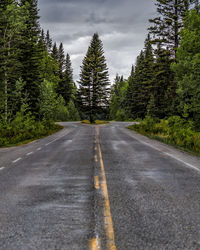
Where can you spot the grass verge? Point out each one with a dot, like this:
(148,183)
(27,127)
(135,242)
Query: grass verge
(178,142)
(96,122)
(19,142)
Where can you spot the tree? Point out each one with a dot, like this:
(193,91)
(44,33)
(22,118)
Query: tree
(163,92)
(118,99)
(48,42)
(31,54)
(54,52)
(141,82)
(12,22)
(61,60)
(187,69)
(66,85)
(94,80)
(73,112)
(166,27)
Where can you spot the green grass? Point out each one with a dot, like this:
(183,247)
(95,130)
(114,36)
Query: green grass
(55,129)
(96,122)
(164,139)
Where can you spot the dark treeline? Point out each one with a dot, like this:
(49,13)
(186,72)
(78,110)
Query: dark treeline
(163,89)
(165,81)
(36,79)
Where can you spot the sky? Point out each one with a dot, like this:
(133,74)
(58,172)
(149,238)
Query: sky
(121,24)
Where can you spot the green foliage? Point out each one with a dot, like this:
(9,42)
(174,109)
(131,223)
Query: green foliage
(175,130)
(94,82)
(118,99)
(73,112)
(187,69)
(140,86)
(167,25)
(52,106)
(24,128)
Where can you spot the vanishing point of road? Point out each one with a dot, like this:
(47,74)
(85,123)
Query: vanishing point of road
(98,187)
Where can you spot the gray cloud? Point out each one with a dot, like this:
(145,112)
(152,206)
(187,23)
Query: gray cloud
(121,24)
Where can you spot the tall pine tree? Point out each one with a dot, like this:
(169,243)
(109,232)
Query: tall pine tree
(94,80)
(31,55)
(166,27)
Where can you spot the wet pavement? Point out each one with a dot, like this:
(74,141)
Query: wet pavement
(84,188)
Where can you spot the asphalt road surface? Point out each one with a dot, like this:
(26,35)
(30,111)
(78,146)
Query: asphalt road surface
(98,187)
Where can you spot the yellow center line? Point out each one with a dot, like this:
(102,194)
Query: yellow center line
(96,182)
(108,224)
(95,244)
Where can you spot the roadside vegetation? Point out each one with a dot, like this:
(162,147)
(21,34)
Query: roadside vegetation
(96,122)
(36,79)
(163,89)
(174,131)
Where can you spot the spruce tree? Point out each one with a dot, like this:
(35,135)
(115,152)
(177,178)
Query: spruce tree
(66,84)
(48,42)
(61,60)
(166,27)
(11,26)
(135,90)
(187,69)
(94,80)
(54,52)
(164,86)
(31,55)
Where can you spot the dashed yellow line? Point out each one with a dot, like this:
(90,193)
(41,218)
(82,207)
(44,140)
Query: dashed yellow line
(108,224)
(96,182)
(95,244)
(95,158)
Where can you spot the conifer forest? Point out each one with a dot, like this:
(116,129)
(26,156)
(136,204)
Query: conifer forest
(162,93)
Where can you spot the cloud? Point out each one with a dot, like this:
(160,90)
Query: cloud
(121,24)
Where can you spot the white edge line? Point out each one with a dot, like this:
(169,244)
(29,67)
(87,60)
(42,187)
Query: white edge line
(30,153)
(2,168)
(17,160)
(55,139)
(170,155)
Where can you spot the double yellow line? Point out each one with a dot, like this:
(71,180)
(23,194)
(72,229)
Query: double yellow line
(95,244)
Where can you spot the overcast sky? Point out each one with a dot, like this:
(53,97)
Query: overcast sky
(121,24)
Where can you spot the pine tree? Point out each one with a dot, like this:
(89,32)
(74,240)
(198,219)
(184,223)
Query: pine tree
(48,42)
(11,26)
(31,55)
(66,84)
(61,60)
(187,69)
(164,86)
(94,80)
(166,27)
(134,91)
(141,83)
(118,99)
(54,52)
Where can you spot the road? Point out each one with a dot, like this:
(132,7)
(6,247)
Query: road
(98,187)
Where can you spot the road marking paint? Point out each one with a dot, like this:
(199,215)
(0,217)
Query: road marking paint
(17,160)
(187,164)
(38,149)
(55,139)
(96,182)
(95,244)
(95,158)
(108,223)
(170,155)
(95,148)
(30,153)
(2,168)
